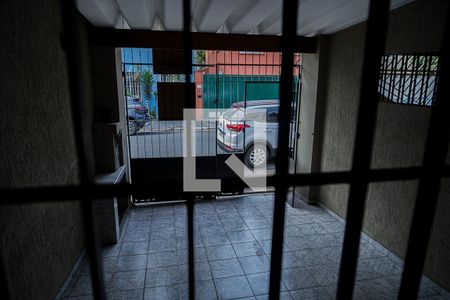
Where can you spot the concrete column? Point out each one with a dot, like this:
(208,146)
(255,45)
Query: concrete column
(310,115)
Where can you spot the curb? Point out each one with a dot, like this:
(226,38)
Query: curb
(175,129)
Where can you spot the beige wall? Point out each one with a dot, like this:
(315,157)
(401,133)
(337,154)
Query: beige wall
(399,139)
(314,66)
(39,243)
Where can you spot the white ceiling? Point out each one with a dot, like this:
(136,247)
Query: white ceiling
(227,16)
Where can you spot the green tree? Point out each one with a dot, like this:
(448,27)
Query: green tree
(200,57)
(148,79)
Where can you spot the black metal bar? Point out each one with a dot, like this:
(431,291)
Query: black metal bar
(415,72)
(382,80)
(365,129)
(403,78)
(187,51)
(78,90)
(422,72)
(436,81)
(289,32)
(392,79)
(395,87)
(429,185)
(4,284)
(411,75)
(76,192)
(110,37)
(125,83)
(429,59)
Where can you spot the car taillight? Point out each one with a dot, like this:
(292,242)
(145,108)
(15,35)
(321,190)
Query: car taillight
(237,127)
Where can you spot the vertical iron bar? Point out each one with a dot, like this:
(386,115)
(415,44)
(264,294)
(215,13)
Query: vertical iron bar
(403,78)
(392,79)
(187,61)
(289,31)
(385,65)
(4,282)
(428,77)
(151,121)
(137,84)
(394,87)
(409,75)
(83,138)
(381,81)
(373,51)
(158,135)
(410,69)
(145,138)
(387,86)
(422,72)
(438,61)
(126,86)
(298,98)
(429,185)
(415,71)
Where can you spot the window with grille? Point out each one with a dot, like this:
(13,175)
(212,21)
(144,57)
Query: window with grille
(408,79)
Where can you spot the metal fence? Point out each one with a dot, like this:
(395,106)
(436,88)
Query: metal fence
(236,76)
(409,79)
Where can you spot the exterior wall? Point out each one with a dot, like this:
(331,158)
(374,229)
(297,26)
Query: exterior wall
(312,94)
(39,243)
(399,140)
(247,61)
(240,63)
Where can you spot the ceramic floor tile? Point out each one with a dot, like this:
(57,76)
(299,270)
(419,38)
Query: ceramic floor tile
(169,292)
(128,280)
(255,264)
(131,262)
(298,278)
(131,248)
(248,249)
(233,288)
(226,268)
(126,295)
(232,237)
(202,272)
(220,252)
(162,276)
(162,259)
(241,236)
(260,283)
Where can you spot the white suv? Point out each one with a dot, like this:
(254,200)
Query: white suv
(251,129)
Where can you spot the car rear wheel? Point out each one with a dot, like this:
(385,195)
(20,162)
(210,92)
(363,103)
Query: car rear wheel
(132,127)
(256,156)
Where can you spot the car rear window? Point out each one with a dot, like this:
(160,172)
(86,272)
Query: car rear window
(234,114)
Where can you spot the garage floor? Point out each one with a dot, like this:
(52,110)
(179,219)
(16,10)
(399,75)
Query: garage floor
(232,240)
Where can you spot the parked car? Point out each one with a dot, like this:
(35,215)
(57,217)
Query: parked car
(137,115)
(241,129)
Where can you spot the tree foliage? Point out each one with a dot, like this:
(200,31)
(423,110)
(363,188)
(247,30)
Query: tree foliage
(148,79)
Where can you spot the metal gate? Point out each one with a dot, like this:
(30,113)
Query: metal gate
(235,79)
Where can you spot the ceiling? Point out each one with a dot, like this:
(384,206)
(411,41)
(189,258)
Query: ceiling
(227,16)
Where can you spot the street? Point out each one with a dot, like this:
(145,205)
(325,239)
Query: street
(165,139)
(168,143)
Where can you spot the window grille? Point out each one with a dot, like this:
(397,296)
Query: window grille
(408,79)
